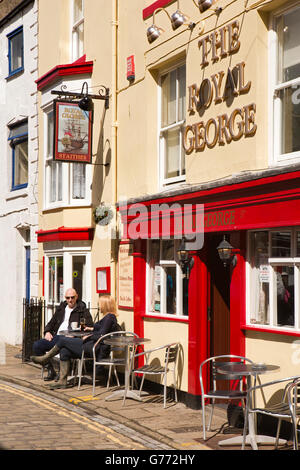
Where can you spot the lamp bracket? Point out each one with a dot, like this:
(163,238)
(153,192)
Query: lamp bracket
(103,94)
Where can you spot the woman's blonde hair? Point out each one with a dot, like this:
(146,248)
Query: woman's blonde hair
(107,304)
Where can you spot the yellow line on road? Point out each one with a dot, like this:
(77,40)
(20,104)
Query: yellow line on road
(94,426)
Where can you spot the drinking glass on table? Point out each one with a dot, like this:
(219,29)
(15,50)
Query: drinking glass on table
(82,323)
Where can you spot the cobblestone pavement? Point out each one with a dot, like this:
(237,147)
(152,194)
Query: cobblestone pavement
(30,421)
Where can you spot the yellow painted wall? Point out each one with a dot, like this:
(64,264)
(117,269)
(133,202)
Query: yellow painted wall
(280,350)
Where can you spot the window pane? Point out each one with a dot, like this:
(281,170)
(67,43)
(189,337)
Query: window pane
(171,288)
(79,173)
(169,99)
(285,295)
(260,278)
(50,130)
(172,150)
(55,279)
(78,10)
(290,106)
(182,93)
(55,181)
(298,244)
(289,45)
(78,274)
(281,244)
(16,51)
(154,276)
(21,164)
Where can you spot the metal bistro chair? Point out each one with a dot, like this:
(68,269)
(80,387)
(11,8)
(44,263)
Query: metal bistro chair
(110,361)
(170,357)
(232,393)
(287,408)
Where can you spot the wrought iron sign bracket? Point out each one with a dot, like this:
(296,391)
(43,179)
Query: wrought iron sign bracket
(103,94)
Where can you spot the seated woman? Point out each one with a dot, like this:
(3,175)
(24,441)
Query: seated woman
(71,348)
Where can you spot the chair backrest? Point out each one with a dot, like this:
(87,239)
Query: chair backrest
(171,353)
(215,362)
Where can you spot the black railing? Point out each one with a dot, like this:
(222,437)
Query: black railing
(33,319)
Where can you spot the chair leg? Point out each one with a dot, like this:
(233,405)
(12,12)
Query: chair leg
(277,433)
(165,390)
(175,388)
(109,377)
(211,413)
(116,375)
(203,419)
(142,383)
(79,372)
(94,378)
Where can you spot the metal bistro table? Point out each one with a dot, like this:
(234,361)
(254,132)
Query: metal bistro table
(74,333)
(129,343)
(249,371)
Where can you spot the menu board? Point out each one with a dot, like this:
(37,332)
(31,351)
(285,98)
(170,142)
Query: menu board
(125,288)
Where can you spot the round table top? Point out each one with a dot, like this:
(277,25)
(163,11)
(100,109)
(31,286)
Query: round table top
(246,369)
(74,333)
(125,341)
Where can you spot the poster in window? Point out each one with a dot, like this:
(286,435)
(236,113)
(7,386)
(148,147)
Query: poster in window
(103,280)
(125,282)
(72,133)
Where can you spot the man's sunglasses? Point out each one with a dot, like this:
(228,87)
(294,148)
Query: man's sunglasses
(73,297)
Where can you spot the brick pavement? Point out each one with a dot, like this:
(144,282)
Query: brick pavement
(176,427)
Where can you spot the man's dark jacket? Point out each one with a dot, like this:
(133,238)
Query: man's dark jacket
(78,312)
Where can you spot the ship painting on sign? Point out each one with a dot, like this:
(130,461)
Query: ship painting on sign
(73,138)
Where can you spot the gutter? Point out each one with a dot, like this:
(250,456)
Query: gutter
(15,11)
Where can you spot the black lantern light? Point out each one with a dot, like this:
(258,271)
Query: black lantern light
(226,253)
(186,262)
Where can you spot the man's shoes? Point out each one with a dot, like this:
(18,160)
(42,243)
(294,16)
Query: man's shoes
(52,375)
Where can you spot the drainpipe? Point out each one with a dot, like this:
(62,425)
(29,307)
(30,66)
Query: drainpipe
(114,133)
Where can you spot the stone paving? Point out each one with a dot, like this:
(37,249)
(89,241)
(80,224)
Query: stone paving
(142,424)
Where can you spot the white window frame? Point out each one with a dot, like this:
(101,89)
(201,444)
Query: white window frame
(163,182)
(75,46)
(292,261)
(179,286)
(67,251)
(67,168)
(277,158)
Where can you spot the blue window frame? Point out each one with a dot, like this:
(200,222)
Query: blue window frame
(18,139)
(15,51)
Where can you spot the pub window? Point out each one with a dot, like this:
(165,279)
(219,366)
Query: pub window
(65,183)
(77,28)
(15,51)
(167,288)
(274,262)
(287,86)
(173,97)
(18,139)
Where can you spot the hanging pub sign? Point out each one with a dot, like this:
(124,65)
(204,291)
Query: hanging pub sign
(72,132)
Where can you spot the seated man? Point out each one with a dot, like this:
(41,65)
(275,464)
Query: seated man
(69,311)
(71,348)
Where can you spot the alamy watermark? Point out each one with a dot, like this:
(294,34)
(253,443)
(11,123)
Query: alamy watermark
(155,221)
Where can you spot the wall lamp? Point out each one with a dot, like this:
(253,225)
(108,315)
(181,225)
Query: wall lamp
(226,253)
(204,5)
(177,19)
(185,261)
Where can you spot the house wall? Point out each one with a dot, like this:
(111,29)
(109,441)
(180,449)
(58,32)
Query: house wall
(18,209)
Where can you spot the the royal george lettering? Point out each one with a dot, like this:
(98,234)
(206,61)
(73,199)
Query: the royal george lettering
(223,128)
(219,218)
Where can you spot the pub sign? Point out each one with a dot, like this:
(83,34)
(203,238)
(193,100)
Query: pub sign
(72,132)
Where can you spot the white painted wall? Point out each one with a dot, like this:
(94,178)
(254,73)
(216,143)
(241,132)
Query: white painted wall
(18,209)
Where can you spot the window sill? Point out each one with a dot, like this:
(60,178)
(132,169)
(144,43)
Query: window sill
(181,318)
(65,205)
(17,192)
(15,74)
(272,330)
